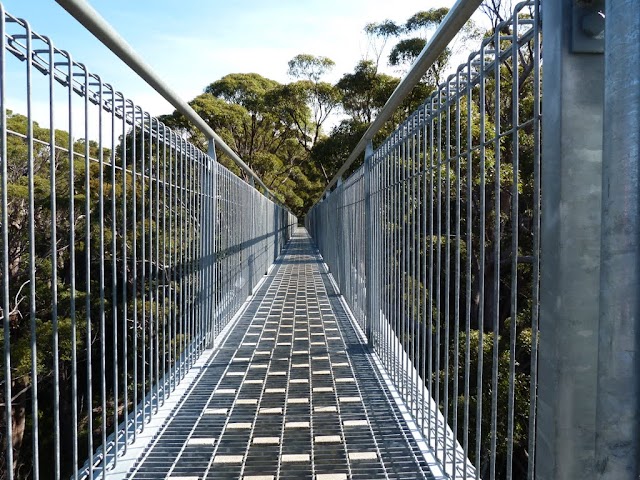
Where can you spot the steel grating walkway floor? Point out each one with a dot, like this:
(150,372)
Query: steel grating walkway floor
(291,393)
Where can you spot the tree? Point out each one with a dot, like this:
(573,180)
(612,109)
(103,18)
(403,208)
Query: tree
(321,98)
(365,91)
(309,67)
(379,34)
(265,124)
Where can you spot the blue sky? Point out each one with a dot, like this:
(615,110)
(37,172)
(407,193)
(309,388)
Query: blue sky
(191,43)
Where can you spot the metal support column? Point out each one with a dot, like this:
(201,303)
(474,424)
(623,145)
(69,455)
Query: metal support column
(211,232)
(368,249)
(573,86)
(341,246)
(618,403)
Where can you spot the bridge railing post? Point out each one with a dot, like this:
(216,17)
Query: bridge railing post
(371,290)
(571,181)
(618,394)
(209,227)
(341,247)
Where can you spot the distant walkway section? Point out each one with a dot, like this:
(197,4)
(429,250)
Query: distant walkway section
(292,393)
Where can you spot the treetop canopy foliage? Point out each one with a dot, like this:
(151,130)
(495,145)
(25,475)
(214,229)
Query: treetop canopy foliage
(296,135)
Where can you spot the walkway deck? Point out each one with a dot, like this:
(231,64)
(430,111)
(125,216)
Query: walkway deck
(291,393)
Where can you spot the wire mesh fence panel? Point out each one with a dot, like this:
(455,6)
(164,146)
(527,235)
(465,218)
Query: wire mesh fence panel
(125,252)
(453,205)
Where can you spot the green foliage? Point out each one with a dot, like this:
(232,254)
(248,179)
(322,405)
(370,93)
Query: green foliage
(386,28)
(365,91)
(309,67)
(426,20)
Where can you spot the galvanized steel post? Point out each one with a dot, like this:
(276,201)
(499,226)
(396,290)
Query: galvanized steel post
(573,85)
(618,402)
(341,269)
(211,233)
(371,291)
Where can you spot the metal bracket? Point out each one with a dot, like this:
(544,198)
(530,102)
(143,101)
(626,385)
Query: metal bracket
(587,29)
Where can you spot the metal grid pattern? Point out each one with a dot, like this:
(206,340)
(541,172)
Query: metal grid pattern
(291,393)
(120,262)
(435,244)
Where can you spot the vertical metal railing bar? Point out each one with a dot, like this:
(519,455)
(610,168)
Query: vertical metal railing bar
(191,284)
(223,199)
(535,294)
(149,267)
(72,272)
(515,121)
(469,252)
(186,232)
(125,304)
(423,268)
(200,200)
(405,317)
(456,312)
(206,222)
(377,224)
(496,258)
(143,266)
(193,231)
(166,325)
(213,235)
(157,266)
(32,254)
(101,285)
(438,280)
(431,189)
(186,258)
(388,254)
(54,274)
(481,276)
(193,252)
(8,400)
(201,251)
(134,266)
(167,217)
(87,206)
(379,232)
(392,256)
(181,262)
(178,262)
(195,265)
(114,271)
(174,261)
(373,319)
(397,262)
(153,269)
(408,220)
(173,358)
(415,291)
(447,281)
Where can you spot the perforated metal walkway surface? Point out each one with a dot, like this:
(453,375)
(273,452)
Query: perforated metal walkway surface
(291,393)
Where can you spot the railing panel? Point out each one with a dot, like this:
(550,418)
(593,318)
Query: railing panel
(455,203)
(125,251)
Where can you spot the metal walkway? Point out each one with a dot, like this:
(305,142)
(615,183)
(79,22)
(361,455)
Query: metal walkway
(291,393)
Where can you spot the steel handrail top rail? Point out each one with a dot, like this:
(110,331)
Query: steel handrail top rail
(449,28)
(103,31)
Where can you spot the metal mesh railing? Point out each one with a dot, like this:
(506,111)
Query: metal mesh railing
(435,243)
(125,252)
